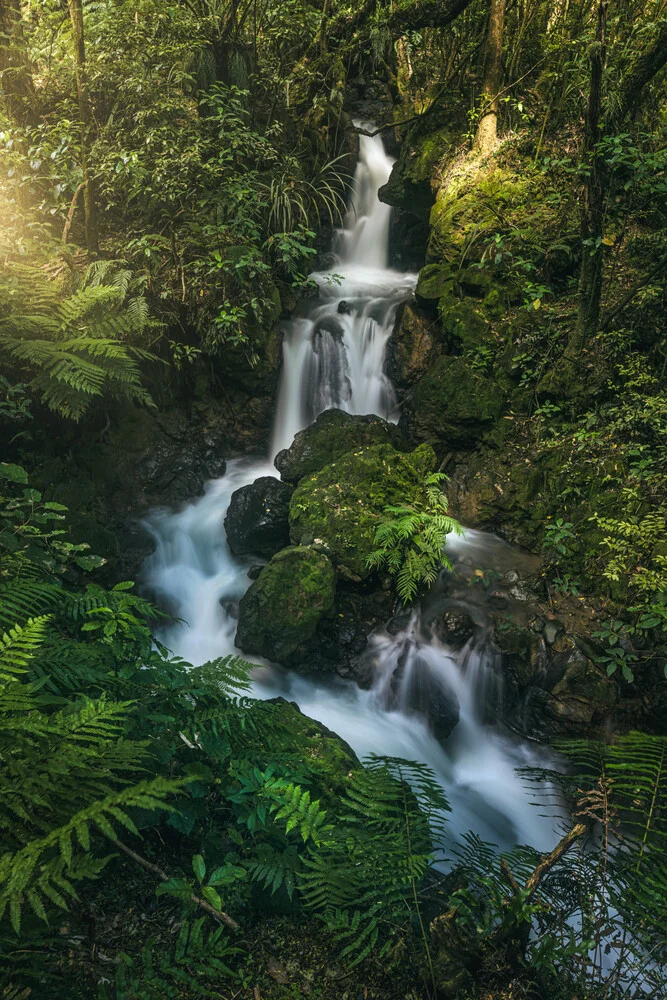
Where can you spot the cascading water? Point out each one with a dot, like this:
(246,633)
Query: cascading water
(334,348)
(333,356)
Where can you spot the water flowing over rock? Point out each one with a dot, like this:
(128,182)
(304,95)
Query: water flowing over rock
(427,689)
(257,520)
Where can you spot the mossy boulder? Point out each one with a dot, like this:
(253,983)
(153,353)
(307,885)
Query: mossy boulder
(332,435)
(435,282)
(453,404)
(339,506)
(325,753)
(282,608)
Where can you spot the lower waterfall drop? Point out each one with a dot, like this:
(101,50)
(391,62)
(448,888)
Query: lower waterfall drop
(334,354)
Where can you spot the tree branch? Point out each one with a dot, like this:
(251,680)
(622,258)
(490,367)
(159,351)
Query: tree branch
(218,915)
(645,67)
(70,214)
(406,15)
(613,311)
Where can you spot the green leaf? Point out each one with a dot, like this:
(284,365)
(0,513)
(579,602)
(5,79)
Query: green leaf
(198,867)
(212,897)
(14,473)
(226,875)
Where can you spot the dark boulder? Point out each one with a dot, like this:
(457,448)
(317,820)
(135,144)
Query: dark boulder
(257,520)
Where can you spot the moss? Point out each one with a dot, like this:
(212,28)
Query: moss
(282,608)
(340,505)
(409,186)
(435,281)
(332,435)
(464,324)
(325,753)
(454,405)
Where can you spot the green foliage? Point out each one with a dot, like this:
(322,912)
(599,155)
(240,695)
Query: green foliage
(198,961)
(411,539)
(74,346)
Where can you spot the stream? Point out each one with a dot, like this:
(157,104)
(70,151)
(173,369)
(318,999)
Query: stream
(334,352)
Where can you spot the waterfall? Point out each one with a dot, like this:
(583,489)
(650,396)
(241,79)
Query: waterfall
(334,347)
(334,353)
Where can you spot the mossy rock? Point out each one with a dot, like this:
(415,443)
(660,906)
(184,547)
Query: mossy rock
(282,608)
(339,506)
(464,323)
(435,281)
(332,435)
(454,405)
(409,186)
(326,753)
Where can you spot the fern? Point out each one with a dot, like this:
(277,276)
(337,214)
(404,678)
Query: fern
(410,540)
(74,347)
(200,956)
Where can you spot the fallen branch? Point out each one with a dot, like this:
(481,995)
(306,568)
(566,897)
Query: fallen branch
(549,860)
(218,915)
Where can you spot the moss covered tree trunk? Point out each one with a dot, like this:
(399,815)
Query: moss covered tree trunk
(592,215)
(487,129)
(15,72)
(85,117)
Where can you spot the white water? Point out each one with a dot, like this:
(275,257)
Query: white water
(335,357)
(334,348)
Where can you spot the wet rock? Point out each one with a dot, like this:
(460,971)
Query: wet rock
(453,627)
(428,696)
(413,347)
(331,436)
(255,570)
(230,608)
(345,308)
(399,623)
(574,697)
(257,520)
(341,639)
(339,506)
(282,608)
(550,633)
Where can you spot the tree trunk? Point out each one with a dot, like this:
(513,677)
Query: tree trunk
(592,216)
(15,73)
(487,129)
(85,116)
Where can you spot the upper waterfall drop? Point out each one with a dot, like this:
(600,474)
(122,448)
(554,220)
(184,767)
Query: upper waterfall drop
(334,346)
(364,239)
